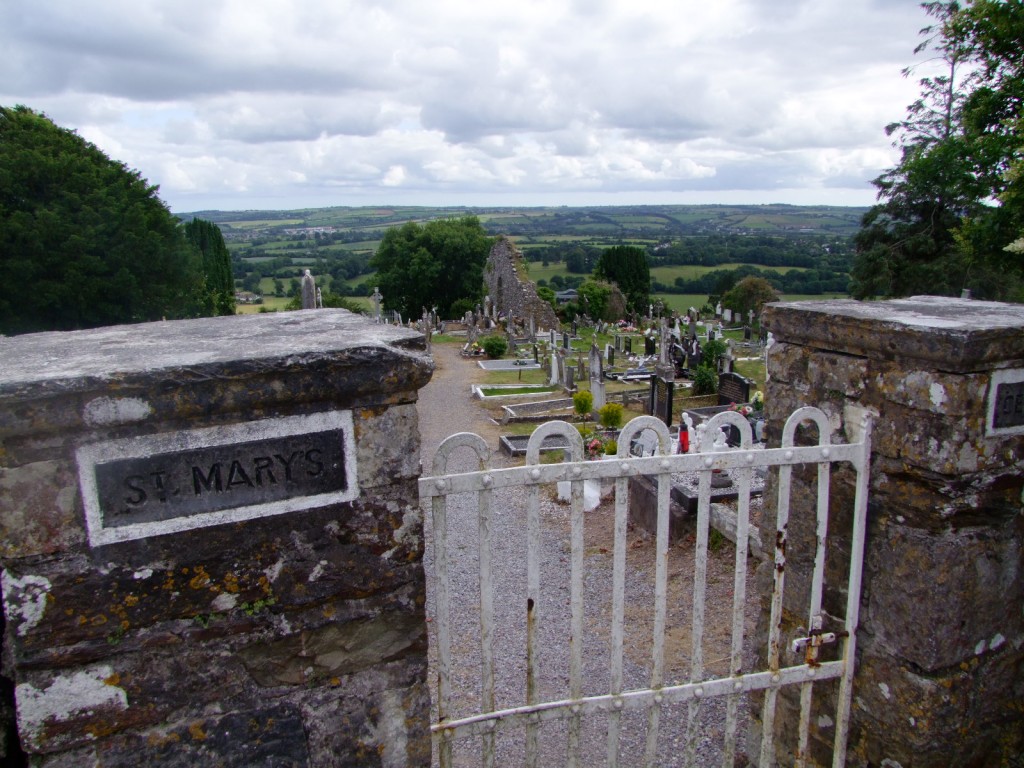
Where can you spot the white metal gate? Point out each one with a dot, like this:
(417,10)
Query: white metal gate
(574,706)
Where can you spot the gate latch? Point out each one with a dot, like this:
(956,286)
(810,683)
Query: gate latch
(815,639)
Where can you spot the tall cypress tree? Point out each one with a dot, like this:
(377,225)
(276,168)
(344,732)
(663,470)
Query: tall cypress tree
(220,285)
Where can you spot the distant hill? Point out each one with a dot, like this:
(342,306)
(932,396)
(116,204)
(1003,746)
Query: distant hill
(646,222)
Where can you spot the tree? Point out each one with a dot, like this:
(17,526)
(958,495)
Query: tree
(627,267)
(84,241)
(429,265)
(206,237)
(950,207)
(750,293)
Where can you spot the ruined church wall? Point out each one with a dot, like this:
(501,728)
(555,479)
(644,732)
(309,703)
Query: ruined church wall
(941,641)
(511,295)
(211,543)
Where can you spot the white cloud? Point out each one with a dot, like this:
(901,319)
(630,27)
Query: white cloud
(227,104)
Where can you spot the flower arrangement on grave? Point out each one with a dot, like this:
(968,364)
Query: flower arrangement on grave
(757,401)
(594,448)
(742,410)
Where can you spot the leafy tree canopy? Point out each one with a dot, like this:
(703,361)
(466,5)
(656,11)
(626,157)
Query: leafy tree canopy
(750,293)
(434,264)
(953,206)
(626,266)
(84,241)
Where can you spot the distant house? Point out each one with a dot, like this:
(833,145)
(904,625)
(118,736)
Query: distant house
(247,297)
(564,297)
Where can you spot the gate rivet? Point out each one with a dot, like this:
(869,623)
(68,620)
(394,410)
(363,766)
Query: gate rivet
(625,467)
(534,473)
(776,677)
(737,686)
(575,709)
(825,452)
(440,484)
(617,704)
(664,464)
(750,458)
(658,698)
(789,454)
(810,672)
(698,692)
(708,461)
(576,470)
(487,480)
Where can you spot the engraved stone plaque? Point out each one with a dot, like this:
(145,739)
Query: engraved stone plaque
(1006,403)
(167,483)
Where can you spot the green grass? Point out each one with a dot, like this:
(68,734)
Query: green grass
(502,391)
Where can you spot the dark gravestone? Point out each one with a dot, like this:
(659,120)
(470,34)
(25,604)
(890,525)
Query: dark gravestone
(628,345)
(661,398)
(565,340)
(746,333)
(650,348)
(733,388)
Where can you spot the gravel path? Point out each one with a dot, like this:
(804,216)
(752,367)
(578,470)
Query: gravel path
(445,407)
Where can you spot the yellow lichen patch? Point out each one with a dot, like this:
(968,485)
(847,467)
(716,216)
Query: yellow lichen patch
(196,731)
(98,620)
(329,611)
(200,580)
(231,583)
(158,740)
(130,600)
(114,679)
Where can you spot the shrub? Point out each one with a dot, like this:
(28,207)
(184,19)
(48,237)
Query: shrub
(583,401)
(705,381)
(610,415)
(713,351)
(494,346)
(610,448)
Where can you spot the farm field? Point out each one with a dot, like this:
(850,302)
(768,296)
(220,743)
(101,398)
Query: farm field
(340,241)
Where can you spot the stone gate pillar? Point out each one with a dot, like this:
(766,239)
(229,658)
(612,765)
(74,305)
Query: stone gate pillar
(211,543)
(940,651)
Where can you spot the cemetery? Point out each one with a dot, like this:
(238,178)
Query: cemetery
(311,457)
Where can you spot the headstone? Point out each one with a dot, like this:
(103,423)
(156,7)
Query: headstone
(536,355)
(691,329)
(565,340)
(609,354)
(376,304)
(594,361)
(570,377)
(662,389)
(746,333)
(627,345)
(727,315)
(733,388)
(551,333)
(650,347)
(308,290)
(718,309)
(575,329)
(618,343)
(488,307)
(555,378)
(533,329)
(750,317)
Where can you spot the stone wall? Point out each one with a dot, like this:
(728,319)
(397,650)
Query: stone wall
(940,655)
(212,544)
(511,295)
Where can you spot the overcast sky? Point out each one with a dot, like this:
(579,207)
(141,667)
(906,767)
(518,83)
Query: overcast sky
(249,104)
